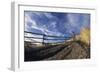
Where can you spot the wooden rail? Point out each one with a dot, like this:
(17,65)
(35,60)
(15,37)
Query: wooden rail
(46,37)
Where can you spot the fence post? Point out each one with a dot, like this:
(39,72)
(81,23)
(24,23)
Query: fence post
(43,39)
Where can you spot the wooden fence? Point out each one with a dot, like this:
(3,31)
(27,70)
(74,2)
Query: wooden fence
(46,37)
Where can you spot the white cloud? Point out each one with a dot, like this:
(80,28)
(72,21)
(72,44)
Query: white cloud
(40,14)
(33,35)
(86,21)
(42,28)
(53,24)
(29,20)
(33,25)
(48,15)
(73,20)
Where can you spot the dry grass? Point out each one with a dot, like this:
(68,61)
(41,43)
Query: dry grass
(85,35)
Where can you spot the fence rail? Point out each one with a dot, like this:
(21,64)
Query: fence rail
(45,37)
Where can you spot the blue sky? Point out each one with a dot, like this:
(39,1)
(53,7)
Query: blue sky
(56,23)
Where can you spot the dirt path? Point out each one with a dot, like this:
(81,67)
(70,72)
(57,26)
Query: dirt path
(59,52)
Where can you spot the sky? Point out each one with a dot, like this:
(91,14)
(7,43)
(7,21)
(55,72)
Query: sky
(55,23)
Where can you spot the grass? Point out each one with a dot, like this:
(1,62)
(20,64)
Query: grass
(85,35)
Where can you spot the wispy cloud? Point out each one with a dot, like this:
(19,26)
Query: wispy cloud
(77,21)
(48,15)
(29,23)
(59,24)
(32,24)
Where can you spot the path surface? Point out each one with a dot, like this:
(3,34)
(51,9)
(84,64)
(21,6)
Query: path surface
(71,50)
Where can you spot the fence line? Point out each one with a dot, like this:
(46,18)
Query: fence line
(44,37)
